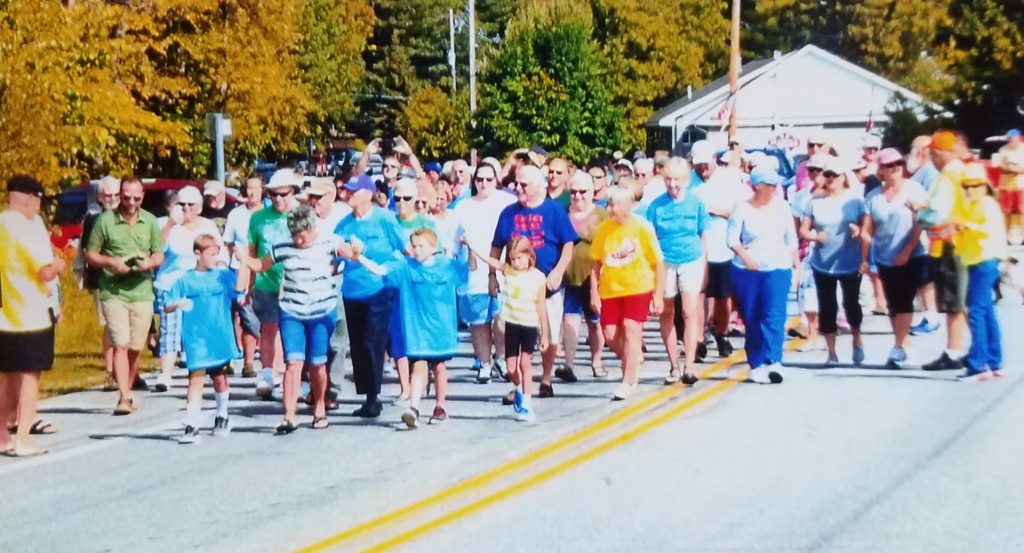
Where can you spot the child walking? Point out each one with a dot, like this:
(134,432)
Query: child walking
(428,322)
(204,297)
(525,316)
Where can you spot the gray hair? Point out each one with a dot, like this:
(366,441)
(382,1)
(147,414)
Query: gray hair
(301,219)
(618,194)
(109,184)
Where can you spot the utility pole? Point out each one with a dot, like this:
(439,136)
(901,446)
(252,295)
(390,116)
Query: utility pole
(451,46)
(472,75)
(734,64)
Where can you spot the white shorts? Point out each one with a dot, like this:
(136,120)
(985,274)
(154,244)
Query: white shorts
(685,277)
(555,306)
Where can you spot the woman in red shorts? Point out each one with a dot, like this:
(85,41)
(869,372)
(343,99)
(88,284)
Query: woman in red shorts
(627,282)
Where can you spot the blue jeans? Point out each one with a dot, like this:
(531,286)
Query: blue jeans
(986,340)
(761,296)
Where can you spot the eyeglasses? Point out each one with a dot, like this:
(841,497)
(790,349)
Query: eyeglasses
(404,198)
(519,184)
(125,198)
(579,191)
(284,194)
(815,144)
(484,179)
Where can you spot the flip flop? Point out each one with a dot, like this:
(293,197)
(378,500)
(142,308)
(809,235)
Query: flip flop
(42,427)
(320,423)
(25,453)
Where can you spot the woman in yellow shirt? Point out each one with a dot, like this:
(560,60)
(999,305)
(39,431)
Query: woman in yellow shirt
(628,268)
(982,248)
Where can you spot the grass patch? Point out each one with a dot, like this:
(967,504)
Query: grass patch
(78,352)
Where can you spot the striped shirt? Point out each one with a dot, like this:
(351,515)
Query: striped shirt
(309,288)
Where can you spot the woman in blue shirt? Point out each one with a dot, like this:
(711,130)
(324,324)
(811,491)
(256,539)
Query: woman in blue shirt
(833,222)
(761,233)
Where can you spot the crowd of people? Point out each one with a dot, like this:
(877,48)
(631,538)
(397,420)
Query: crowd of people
(309,278)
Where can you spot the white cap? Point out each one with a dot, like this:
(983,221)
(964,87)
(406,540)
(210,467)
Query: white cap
(190,195)
(213,188)
(283,178)
(816,137)
(624,163)
(702,152)
(872,141)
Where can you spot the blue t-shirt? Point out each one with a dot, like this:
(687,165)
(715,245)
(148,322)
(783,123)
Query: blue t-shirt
(208,332)
(426,291)
(893,222)
(547,226)
(840,254)
(679,225)
(382,240)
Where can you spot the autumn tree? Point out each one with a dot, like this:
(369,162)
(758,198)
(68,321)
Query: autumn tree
(437,125)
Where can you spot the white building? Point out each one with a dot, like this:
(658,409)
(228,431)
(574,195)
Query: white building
(779,101)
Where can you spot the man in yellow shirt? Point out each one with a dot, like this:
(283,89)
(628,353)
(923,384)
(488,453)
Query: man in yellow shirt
(28,311)
(940,217)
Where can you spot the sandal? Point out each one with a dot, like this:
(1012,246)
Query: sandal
(599,371)
(42,427)
(320,423)
(15,452)
(689,378)
(286,427)
(673,377)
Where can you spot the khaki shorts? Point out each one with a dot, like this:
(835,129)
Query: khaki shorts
(128,322)
(99,308)
(686,278)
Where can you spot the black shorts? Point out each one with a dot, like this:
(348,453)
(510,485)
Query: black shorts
(520,339)
(431,361)
(26,351)
(719,280)
(902,283)
(950,277)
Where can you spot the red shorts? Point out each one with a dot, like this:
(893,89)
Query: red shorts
(1010,200)
(633,308)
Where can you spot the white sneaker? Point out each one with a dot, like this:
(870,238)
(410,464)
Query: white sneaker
(411,418)
(898,355)
(774,373)
(623,391)
(163,382)
(525,414)
(190,435)
(760,376)
(221,426)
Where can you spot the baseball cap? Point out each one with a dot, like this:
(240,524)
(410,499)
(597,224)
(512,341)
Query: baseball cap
(1013,133)
(872,141)
(702,152)
(360,182)
(762,175)
(975,173)
(859,164)
(25,185)
(624,163)
(816,137)
(889,155)
(943,141)
(835,165)
(213,188)
(190,195)
(817,161)
(321,186)
(283,178)
(433,166)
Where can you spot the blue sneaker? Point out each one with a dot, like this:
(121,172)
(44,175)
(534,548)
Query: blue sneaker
(517,402)
(477,365)
(923,327)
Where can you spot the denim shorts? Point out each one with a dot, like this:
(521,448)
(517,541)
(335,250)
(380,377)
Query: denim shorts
(478,309)
(306,340)
(266,305)
(577,302)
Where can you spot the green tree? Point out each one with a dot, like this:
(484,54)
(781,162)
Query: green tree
(549,85)
(435,125)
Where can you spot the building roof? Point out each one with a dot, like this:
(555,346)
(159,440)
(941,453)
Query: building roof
(748,68)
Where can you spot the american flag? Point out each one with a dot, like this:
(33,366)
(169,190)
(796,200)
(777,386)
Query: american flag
(725,111)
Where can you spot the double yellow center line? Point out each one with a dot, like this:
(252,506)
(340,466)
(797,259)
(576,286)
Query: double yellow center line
(616,420)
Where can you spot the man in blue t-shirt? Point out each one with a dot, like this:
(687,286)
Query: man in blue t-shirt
(547,226)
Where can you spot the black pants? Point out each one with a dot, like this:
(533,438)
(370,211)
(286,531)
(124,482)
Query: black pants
(368,322)
(828,303)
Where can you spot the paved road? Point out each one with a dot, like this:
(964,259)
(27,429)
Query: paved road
(852,459)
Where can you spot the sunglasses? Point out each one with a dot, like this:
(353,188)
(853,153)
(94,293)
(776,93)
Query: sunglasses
(484,179)
(519,184)
(131,198)
(831,175)
(284,194)
(316,197)
(404,198)
(815,144)
(813,170)
(579,192)
(891,165)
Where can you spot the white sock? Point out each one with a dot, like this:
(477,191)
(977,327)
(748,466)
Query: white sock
(954,353)
(268,374)
(931,316)
(222,403)
(526,401)
(193,413)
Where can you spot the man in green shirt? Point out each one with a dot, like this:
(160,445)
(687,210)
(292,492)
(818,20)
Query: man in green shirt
(126,245)
(267,227)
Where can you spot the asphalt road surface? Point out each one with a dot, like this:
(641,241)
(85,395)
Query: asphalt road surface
(848,459)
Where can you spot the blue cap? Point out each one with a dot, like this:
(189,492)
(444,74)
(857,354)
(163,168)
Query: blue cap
(360,182)
(432,166)
(1013,133)
(764,175)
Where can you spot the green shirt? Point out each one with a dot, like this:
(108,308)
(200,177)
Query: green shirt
(112,236)
(267,228)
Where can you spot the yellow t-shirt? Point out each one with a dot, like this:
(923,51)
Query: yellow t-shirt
(628,254)
(519,297)
(24,249)
(987,243)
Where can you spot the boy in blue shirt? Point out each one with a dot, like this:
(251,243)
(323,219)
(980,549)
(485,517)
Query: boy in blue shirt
(426,284)
(204,296)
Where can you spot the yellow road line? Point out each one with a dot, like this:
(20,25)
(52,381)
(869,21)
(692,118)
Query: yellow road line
(518,463)
(543,476)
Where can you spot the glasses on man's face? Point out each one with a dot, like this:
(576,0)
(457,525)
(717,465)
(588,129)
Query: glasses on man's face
(814,144)
(891,165)
(283,194)
(485,179)
(129,198)
(520,184)
(404,199)
(579,192)
(316,197)
(183,205)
